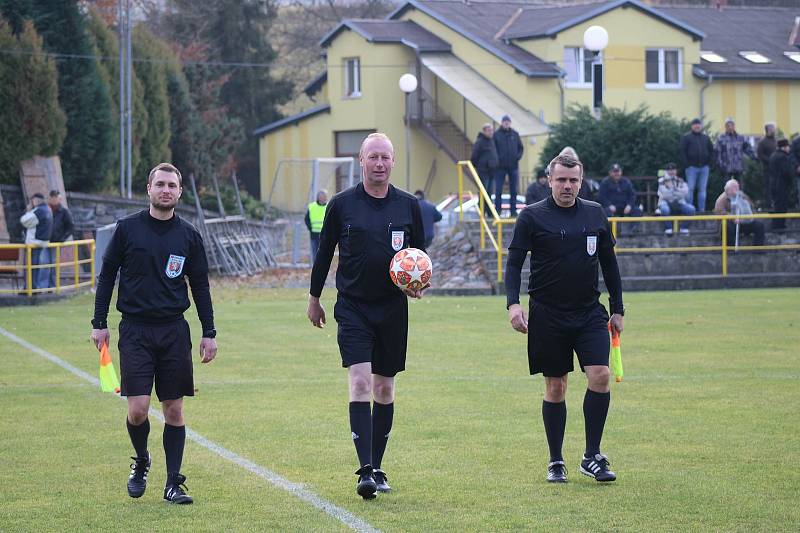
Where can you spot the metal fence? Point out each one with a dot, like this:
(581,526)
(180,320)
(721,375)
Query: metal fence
(72,267)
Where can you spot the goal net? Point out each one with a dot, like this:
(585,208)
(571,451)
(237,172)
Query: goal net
(297,181)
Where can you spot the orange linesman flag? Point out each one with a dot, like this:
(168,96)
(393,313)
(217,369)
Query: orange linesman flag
(616,355)
(108,376)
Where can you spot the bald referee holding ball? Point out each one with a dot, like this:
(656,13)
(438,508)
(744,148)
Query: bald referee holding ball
(568,239)
(370,222)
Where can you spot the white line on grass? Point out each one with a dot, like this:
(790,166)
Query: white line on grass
(343,516)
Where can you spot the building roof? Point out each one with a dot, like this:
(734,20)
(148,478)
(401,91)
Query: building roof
(292,120)
(391,31)
(315,85)
(548,20)
(480,22)
(732,30)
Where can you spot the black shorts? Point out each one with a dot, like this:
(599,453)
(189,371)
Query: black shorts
(160,352)
(375,332)
(553,336)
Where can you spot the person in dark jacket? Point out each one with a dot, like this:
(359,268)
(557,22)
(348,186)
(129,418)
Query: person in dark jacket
(730,150)
(63,227)
(509,152)
(780,172)
(696,152)
(430,216)
(539,189)
(617,195)
(794,154)
(484,158)
(764,150)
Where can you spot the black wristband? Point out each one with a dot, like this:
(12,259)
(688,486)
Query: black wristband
(99,324)
(210,334)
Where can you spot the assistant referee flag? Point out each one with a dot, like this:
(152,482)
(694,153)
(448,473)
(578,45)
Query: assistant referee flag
(108,376)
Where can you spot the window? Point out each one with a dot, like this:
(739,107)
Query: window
(352,78)
(578,64)
(754,57)
(794,56)
(663,68)
(712,57)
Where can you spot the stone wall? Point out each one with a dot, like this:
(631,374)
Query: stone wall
(456,265)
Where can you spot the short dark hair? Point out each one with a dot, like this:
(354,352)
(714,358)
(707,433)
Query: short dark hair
(419,194)
(568,157)
(165,167)
(38,195)
(670,166)
(55,194)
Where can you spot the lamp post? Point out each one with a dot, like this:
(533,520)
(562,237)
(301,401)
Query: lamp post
(595,38)
(408,84)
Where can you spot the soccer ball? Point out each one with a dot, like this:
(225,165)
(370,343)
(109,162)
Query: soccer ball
(411,269)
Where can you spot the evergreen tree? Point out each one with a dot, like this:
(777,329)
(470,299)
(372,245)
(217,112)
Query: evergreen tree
(31,121)
(87,151)
(152,75)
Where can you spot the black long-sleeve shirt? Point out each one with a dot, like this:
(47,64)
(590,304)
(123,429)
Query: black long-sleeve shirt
(369,231)
(566,245)
(153,257)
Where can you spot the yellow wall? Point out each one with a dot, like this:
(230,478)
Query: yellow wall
(624,61)
(752,103)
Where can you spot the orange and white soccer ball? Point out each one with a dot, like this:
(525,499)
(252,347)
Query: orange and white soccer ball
(411,269)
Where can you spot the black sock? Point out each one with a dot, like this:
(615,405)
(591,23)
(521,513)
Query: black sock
(595,409)
(382,415)
(555,421)
(361,428)
(139,436)
(174,440)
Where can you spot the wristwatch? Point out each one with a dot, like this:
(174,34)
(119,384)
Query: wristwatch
(210,334)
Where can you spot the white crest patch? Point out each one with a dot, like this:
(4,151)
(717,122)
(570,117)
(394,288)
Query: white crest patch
(174,266)
(398,239)
(591,244)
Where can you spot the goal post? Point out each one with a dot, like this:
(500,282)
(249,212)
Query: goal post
(297,181)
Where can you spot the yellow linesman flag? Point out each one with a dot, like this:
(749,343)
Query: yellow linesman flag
(616,355)
(108,376)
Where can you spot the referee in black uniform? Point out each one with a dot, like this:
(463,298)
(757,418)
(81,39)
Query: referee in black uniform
(567,237)
(153,250)
(370,222)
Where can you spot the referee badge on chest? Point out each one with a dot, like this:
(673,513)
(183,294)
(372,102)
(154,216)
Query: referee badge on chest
(174,266)
(398,239)
(591,244)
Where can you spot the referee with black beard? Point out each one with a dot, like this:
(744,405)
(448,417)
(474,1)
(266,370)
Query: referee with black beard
(370,223)
(567,237)
(154,250)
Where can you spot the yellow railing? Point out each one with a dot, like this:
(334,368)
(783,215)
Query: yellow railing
(27,269)
(499,223)
(723,247)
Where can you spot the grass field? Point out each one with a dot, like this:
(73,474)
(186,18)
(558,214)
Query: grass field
(703,433)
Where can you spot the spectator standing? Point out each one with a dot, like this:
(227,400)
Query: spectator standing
(617,196)
(484,159)
(733,201)
(315,216)
(509,152)
(696,151)
(780,170)
(539,189)
(764,150)
(730,150)
(63,227)
(430,216)
(38,221)
(794,154)
(673,195)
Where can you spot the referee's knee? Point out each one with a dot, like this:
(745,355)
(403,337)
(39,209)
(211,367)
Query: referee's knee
(360,387)
(599,377)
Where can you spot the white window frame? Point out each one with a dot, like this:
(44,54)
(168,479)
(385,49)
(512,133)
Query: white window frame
(583,84)
(355,64)
(662,69)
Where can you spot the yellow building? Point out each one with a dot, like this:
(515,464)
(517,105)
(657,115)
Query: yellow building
(479,60)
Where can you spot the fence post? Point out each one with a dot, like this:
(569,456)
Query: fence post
(75,259)
(724,248)
(91,256)
(58,269)
(499,252)
(482,220)
(28,270)
(460,193)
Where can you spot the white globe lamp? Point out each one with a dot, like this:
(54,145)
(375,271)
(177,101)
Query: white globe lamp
(408,83)
(595,38)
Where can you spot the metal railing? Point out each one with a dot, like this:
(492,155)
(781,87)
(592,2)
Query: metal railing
(499,223)
(71,267)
